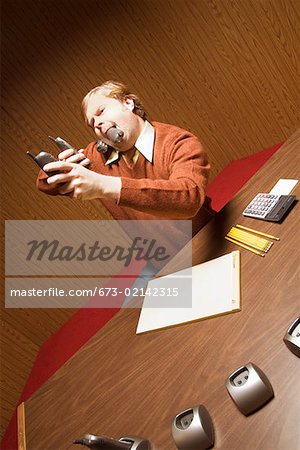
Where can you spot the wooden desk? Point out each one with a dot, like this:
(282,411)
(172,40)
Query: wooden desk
(120,383)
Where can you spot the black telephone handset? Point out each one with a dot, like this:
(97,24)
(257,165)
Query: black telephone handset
(64,145)
(114,134)
(43,158)
(102,147)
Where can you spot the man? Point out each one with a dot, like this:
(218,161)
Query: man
(155,171)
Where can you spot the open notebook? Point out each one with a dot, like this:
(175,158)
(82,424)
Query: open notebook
(207,290)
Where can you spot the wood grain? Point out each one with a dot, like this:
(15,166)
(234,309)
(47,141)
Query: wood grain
(121,383)
(228,71)
(17,356)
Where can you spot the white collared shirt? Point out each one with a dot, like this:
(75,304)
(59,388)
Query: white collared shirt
(143,145)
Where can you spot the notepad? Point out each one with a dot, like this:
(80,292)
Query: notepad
(284,186)
(214,289)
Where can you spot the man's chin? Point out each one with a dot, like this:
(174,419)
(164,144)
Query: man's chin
(120,148)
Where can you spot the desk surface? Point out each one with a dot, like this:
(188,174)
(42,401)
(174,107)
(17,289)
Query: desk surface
(120,383)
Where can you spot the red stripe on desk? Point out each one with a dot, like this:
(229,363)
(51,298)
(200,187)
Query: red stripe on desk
(224,187)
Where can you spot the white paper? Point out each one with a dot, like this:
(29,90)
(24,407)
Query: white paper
(215,290)
(283,186)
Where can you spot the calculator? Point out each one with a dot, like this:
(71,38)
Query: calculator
(269,207)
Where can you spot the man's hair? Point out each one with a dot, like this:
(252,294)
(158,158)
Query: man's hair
(116,90)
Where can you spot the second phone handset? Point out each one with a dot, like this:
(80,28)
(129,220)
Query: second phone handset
(114,134)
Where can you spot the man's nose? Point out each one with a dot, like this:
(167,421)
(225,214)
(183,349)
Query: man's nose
(98,122)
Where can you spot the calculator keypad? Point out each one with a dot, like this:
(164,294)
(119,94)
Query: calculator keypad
(261,205)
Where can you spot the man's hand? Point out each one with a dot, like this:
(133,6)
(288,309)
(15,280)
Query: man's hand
(70,156)
(82,183)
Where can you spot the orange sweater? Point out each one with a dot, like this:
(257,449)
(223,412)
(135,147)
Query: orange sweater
(172,187)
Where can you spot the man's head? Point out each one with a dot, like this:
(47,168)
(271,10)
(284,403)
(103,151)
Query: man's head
(112,104)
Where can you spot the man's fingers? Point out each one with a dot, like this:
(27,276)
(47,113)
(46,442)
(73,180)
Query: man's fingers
(85,162)
(78,157)
(59,165)
(66,188)
(60,178)
(70,156)
(66,154)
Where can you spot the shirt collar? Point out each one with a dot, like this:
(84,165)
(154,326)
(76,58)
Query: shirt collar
(143,145)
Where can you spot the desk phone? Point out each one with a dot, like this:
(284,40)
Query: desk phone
(269,207)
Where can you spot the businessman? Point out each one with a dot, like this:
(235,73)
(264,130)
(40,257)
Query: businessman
(153,171)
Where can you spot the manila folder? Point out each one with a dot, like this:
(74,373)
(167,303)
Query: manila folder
(200,292)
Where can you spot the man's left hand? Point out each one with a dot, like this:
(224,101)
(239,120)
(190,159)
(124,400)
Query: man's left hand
(81,183)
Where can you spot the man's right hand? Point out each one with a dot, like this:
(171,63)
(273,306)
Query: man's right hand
(70,156)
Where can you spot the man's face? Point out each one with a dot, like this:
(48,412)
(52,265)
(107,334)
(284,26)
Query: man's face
(103,112)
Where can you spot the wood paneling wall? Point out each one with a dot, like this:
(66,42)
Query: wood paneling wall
(226,70)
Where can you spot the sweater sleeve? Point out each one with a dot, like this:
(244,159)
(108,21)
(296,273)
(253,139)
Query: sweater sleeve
(182,195)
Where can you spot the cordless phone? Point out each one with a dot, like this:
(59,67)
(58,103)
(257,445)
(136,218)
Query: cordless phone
(42,159)
(114,134)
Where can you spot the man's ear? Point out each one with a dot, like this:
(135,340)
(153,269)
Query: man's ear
(129,103)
